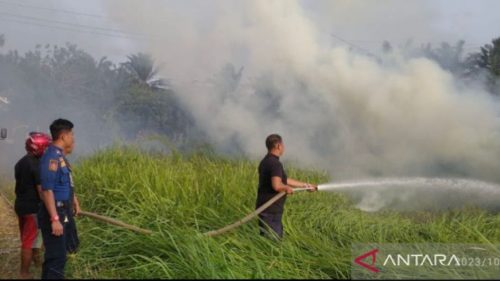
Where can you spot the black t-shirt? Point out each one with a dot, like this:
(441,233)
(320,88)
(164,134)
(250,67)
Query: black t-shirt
(270,167)
(27,178)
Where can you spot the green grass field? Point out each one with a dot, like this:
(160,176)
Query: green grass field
(181,196)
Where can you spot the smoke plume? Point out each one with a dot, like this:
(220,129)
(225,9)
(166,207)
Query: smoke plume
(351,114)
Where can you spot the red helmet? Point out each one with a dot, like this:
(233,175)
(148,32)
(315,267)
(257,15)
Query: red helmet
(36,143)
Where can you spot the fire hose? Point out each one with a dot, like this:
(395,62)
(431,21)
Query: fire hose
(209,233)
(98,217)
(251,215)
(115,222)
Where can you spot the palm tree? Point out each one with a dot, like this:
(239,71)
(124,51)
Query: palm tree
(447,56)
(140,67)
(487,60)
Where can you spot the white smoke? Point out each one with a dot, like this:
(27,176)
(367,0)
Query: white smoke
(350,114)
(418,193)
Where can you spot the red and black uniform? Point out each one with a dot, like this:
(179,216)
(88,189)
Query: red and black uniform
(27,203)
(270,167)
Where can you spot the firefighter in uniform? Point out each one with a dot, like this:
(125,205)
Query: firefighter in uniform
(272,180)
(60,203)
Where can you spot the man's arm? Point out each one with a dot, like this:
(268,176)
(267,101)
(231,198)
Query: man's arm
(278,185)
(35,170)
(48,175)
(296,183)
(39,190)
(50,204)
(76,205)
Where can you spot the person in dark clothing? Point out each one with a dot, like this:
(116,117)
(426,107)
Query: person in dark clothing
(60,202)
(272,180)
(28,190)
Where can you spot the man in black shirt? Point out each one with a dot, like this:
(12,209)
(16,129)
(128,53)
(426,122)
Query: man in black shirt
(272,180)
(28,189)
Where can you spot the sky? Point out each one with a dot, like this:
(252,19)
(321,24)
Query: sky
(358,24)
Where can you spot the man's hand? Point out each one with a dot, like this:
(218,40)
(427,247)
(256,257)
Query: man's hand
(311,187)
(57,228)
(288,190)
(76,208)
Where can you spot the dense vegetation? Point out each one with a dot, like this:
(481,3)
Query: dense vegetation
(181,196)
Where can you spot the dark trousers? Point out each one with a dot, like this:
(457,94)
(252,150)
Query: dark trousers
(270,224)
(55,246)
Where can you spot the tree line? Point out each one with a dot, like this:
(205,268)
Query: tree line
(128,97)
(482,65)
(131,98)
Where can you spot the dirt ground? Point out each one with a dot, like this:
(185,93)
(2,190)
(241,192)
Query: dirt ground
(10,244)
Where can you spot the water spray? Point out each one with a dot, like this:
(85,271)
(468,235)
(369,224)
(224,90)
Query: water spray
(448,186)
(452,183)
(418,193)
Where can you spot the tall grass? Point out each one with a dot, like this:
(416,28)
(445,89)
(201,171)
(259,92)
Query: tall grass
(180,197)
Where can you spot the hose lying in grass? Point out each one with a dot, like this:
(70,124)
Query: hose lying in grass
(101,218)
(115,222)
(251,215)
(210,233)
